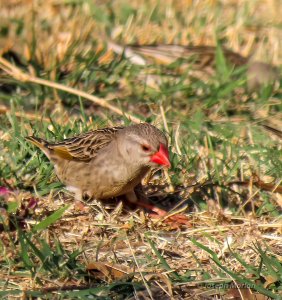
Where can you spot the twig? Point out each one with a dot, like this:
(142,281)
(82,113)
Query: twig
(176,138)
(26,115)
(139,270)
(171,188)
(18,74)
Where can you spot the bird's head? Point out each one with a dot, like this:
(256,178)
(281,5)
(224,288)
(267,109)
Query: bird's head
(144,144)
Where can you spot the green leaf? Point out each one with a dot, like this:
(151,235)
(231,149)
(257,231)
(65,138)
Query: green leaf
(50,219)
(38,253)
(162,260)
(240,278)
(24,252)
(12,207)
(221,65)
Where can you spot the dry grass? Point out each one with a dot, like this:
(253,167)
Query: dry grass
(117,238)
(250,28)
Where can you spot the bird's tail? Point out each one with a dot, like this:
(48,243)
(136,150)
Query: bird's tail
(273,130)
(40,143)
(52,151)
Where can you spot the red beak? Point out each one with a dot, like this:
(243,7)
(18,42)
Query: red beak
(161,157)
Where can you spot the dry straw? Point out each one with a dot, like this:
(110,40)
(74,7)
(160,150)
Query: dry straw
(19,75)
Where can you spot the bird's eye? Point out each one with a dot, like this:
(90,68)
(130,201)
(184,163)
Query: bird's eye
(145,148)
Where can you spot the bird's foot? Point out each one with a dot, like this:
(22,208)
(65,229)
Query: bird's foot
(80,206)
(175,220)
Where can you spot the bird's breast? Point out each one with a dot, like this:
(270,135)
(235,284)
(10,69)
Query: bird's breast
(102,178)
(115,180)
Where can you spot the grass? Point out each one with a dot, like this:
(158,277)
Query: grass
(226,167)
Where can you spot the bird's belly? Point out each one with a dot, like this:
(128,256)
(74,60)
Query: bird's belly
(113,183)
(100,181)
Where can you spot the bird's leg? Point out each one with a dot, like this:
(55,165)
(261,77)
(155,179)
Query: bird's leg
(141,200)
(77,192)
(131,197)
(159,213)
(78,196)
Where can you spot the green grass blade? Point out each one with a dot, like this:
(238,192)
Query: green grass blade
(162,260)
(50,219)
(240,278)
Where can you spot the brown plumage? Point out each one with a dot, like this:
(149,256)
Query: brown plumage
(258,73)
(107,162)
(203,61)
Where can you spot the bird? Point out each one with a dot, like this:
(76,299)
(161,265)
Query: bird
(109,162)
(202,59)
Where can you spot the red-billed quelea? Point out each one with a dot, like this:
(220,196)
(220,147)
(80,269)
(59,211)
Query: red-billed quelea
(108,162)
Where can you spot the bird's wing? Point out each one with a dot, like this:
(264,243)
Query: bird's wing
(84,147)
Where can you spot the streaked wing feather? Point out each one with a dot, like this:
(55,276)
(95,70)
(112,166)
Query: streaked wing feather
(84,147)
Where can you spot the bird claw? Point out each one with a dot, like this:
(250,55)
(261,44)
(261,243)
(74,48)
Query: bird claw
(159,212)
(80,206)
(178,218)
(170,218)
(175,220)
